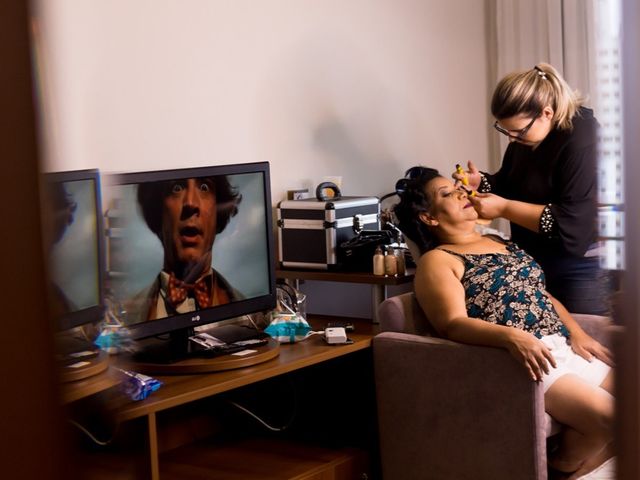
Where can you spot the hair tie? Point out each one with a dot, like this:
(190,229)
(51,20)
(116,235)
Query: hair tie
(540,72)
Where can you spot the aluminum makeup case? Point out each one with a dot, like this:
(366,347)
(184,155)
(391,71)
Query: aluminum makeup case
(310,230)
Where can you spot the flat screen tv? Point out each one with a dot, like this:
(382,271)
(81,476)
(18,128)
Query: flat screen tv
(190,247)
(73,240)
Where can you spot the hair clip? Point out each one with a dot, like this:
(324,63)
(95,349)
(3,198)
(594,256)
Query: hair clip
(540,72)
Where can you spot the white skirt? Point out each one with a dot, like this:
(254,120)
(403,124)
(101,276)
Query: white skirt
(568,362)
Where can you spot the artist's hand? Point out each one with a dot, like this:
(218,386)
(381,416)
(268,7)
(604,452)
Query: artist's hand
(489,205)
(530,352)
(588,348)
(472,175)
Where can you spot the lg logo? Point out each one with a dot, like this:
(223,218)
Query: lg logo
(196,318)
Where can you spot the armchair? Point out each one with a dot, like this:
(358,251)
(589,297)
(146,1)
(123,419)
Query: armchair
(447,410)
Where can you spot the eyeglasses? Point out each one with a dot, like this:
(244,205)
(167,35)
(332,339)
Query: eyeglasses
(519,134)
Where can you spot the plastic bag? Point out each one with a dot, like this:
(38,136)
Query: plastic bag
(288,328)
(287,322)
(138,386)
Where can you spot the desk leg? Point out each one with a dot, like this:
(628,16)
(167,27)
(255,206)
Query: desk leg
(378,294)
(153,447)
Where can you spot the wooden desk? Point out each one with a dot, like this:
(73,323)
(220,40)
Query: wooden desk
(183,389)
(378,283)
(73,391)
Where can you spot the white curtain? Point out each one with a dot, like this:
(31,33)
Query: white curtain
(523,33)
(581,38)
(526,32)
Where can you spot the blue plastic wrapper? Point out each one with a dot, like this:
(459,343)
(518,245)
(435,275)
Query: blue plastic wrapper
(138,386)
(288,328)
(114,336)
(110,339)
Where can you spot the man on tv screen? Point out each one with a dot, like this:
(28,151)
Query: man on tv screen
(186,215)
(59,209)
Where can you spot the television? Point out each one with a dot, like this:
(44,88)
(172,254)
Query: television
(189,247)
(73,241)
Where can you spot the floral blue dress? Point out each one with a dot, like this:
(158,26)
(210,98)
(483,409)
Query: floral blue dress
(509,289)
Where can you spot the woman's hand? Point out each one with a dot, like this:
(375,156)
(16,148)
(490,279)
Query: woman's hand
(489,205)
(531,353)
(588,348)
(472,175)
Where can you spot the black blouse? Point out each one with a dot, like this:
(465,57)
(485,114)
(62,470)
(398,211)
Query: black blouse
(561,173)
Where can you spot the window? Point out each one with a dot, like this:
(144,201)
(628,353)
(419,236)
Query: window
(608,104)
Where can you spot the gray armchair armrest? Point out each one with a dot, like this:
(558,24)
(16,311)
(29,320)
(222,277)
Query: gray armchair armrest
(600,328)
(472,414)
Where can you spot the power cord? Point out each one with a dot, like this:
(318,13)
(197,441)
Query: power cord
(261,421)
(252,322)
(93,438)
(282,428)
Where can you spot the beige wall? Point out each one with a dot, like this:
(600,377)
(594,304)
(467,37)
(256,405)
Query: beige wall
(360,88)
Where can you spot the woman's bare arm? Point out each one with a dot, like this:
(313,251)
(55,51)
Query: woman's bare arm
(581,343)
(441,295)
(526,215)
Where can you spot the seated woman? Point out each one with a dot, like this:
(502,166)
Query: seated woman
(481,290)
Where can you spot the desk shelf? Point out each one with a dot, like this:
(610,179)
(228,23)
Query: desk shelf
(241,459)
(262,459)
(378,283)
(347,277)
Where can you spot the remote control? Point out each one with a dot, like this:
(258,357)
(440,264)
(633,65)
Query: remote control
(348,326)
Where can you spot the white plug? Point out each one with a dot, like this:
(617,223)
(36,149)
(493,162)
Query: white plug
(335,335)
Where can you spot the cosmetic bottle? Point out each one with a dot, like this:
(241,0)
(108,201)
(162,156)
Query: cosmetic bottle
(390,263)
(378,262)
(401,264)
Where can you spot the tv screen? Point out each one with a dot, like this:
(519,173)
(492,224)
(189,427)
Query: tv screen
(73,243)
(190,247)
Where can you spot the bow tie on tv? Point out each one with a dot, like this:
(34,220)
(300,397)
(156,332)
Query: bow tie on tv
(177,291)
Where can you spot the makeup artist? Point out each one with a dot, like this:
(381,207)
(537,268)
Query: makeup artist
(547,185)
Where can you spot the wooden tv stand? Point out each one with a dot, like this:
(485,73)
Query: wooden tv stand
(171,451)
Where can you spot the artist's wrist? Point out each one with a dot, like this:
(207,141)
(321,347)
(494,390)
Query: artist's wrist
(506,209)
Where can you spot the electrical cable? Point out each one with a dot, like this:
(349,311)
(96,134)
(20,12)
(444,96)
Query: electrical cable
(252,322)
(102,443)
(282,428)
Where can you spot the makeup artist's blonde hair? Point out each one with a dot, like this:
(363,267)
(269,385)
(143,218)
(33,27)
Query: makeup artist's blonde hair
(528,92)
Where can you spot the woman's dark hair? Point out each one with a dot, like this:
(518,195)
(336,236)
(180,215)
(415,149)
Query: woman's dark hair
(63,208)
(152,194)
(413,201)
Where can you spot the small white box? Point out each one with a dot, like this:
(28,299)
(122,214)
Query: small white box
(335,335)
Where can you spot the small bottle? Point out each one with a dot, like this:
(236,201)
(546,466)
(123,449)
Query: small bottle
(390,263)
(378,262)
(402,266)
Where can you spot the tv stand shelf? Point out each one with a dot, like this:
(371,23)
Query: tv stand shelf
(379,283)
(169,458)
(270,459)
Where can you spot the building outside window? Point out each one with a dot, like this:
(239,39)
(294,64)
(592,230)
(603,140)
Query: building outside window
(608,103)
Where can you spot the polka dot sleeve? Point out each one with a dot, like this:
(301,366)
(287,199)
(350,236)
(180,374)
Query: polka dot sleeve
(484,186)
(547,221)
